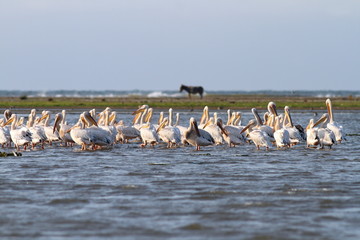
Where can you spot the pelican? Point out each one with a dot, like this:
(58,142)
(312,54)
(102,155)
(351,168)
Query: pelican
(125,133)
(62,127)
(204,117)
(332,125)
(258,136)
(20,136)
(281,135)
(214,130)
(106,124)
(169,134)
(49,132)
(80,134)
(259,124)
(100,137)
(149,134)
(295,136)
(325,135)
(197,137)
(272,109)
(139,116)
(5,138)
(231,134)
(229,117)
(312,138)
(237,119)
(37,132)
(182,129)
(7,114)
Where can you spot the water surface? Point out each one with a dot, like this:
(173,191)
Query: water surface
(157,193)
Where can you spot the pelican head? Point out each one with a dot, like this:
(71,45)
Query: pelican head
(164,122)
(140,109)
(194,125)
(272,108)
(322,119)
(219,123)
(12,118)
(58,120)
(251,124)
(89,120)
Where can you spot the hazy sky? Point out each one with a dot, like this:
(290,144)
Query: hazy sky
(160,44)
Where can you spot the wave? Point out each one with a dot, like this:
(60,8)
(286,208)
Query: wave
(170,94)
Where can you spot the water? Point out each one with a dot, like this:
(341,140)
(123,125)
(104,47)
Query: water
(156,193)
(171,93)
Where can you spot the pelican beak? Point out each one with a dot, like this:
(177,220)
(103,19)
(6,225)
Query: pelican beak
(73,127)
(43,117)
(112,117)
(135,118)
(194,123)
(58,118)
(145,126)
(321,120)
(223,130)
(251,122)
(140,110)
(205,114)
(206,124)
(148,115)
(272,108)
(90,119)
(8,121)
(162,125)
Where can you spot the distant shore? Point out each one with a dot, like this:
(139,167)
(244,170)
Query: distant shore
(213,101)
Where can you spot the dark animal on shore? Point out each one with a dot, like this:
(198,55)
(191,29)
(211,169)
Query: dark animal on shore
(192,90)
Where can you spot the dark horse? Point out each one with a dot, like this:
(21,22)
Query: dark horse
(192,90)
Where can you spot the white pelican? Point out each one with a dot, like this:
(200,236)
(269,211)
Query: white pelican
(332,125)
(325,135)
(126,133)
(295,136)
(7,114)
(149,134)
(281,135)
(182,129)
(99,137)
(140,114)
(80,134)
(312,138)
(49,132)
(214,130)
(5,138)
(204,117)
(237,119)
(260,125)
(197,137)
(259,137)
(37,132)
(229,117)
(20,136)
(62,127)
(231,134)
(272,109)
(106,125)
(169,134)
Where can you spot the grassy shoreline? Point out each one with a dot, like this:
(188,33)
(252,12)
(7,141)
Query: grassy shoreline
(213,101)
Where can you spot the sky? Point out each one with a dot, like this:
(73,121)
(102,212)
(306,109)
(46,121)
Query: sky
(161,44)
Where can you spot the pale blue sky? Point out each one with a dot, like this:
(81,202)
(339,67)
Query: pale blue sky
(160,44)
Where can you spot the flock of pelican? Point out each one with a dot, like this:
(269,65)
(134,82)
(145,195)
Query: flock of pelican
(97,131)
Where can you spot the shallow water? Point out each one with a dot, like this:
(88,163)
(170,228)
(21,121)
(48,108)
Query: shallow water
(159,193)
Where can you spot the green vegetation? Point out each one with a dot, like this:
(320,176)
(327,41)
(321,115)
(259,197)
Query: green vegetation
(213,101)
